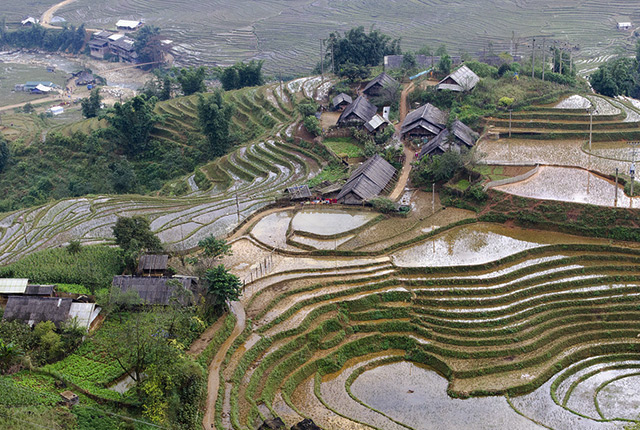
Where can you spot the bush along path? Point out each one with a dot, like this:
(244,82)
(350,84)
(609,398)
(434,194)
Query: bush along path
(239,183)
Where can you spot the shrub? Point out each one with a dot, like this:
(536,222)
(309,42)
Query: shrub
(383,204)
(312,125)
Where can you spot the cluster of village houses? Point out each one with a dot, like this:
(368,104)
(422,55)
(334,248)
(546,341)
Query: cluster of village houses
(426,125)
(32,304)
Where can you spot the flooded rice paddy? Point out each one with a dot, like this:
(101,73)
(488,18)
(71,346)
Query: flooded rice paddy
(570,185)
(477,244)
(328,222)
(418,399)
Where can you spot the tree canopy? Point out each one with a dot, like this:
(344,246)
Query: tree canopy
(619,76)
(222,286)
(242,75)
(148,45)
(4,153)
(91,105)
(360,48)
(214,117)
(134,234)
(192,80)
(133,122)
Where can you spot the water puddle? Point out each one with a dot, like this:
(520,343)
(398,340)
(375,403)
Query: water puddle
(418,398)
(330,221)
(322,244)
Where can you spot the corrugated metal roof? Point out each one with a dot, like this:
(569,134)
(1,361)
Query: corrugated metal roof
(125,23)
(464,77)
(84,313)
(39,290)
(13,286)
(374,123)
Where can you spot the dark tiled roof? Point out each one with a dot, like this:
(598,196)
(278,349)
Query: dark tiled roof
(382,79)
(369,179)
(428,113)
(342,97)
(361,107)
(153,290)
(439,142)
(152,263)
(39,290)
(464,133)
(32,309)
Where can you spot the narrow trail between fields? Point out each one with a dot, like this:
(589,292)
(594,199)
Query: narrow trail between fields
(213,382)
(408,153)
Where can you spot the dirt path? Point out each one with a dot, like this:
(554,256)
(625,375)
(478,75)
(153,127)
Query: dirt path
(45,20)
(214,368)
(408,153)
(40,100)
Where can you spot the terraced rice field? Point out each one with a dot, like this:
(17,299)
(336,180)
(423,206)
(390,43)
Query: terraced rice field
(244,181)
(558,136)
(287,33)
(541,328)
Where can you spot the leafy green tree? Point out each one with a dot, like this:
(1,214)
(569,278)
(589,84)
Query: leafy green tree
(74,247)
(132,122)
(441,51)
(4,153)
(214,248)
(307,107)
(425,50)
(10,355)
(360,48)
(437,168)
(28,108)
(214,117)
(409,61)
(383,204)
(312,125)
(123,177)
(242,75)
(91,105)
(222,286)
(353,72)
(149,47)
(191,80)
(444,65)
(134,234)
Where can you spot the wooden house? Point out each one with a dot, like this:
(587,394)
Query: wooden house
(357,113)
(128,25)
(367,181)
(29,22)
(99,44)
(341,101)
(123,48)
(378,84)
(299,192)
(69,398)
(463,79)
(459,137)
(85,78)
(425,122)
(153,265)
(157,290)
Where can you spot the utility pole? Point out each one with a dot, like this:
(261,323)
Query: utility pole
(433,198)
(615,198)
(333,60)
(510,110)
(544,57)
(533,58)
(632,169)
(321,60)
(591,112)
(237,205)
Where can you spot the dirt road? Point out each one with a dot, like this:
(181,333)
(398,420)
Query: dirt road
(408,153)
(45,19)
(213,382)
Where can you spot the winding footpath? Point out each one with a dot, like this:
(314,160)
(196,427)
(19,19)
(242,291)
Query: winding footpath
(213,382)
(45,19)
(408,153)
